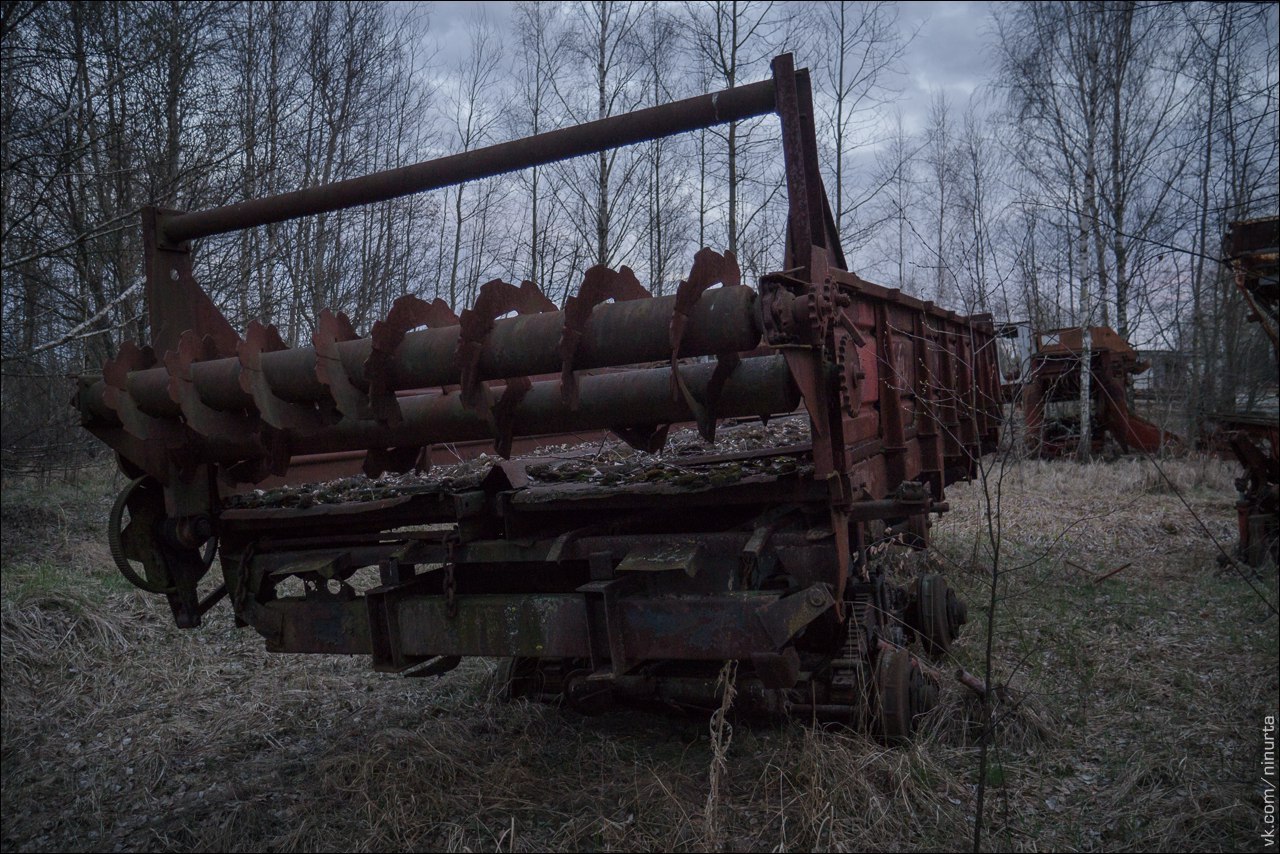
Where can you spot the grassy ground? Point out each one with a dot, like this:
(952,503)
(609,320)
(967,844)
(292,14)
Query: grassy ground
(1139,727)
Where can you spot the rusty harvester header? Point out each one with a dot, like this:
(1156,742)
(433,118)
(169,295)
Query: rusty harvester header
(641,578)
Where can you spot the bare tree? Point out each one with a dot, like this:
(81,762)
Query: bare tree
(111,106)
(1099,93)
(603,49)
(474,112)
(732,39)
(541,49)
(1234,177)
(938,156)
(83,148)
(892,207)
(667,200)
(863,54)
(981,217)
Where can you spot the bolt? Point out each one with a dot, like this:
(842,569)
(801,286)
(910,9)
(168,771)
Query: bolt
(201,528)
(816,598)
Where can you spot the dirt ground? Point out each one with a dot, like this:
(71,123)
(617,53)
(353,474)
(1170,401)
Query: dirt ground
(1143,697)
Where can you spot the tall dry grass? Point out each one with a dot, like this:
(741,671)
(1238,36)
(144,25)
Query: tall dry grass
(1131,720)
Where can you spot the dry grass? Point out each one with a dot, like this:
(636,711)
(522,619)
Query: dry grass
(1158,677)
(1139,724)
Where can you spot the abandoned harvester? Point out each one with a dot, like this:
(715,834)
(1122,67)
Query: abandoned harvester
(594,575)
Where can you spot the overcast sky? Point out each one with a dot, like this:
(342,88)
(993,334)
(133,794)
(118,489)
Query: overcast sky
(947,53)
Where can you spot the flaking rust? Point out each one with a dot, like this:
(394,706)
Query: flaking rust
(618,496)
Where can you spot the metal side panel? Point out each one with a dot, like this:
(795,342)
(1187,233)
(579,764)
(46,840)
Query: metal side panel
(697,628)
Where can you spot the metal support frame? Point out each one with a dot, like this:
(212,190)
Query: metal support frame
(896,391)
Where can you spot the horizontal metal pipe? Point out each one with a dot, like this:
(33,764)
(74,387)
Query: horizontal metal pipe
(724,320)
(623,333)
(614,132)
(759,386)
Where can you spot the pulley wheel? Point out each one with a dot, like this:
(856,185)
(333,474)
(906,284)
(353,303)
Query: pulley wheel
(136,539)
(893,695)
(133,537)
(935,614)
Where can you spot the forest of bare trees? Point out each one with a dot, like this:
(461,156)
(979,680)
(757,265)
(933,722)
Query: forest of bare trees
(1089,180)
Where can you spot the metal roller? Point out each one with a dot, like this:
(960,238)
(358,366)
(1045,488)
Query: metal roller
(724,320)
(759,386)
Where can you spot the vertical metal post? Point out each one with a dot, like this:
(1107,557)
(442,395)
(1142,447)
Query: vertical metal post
(175,301)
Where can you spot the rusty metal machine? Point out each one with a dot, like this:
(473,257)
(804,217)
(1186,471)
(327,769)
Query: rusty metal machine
(1049,376)
(1252,250)
(314,474)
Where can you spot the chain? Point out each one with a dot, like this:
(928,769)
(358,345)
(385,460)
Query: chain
(450,591)
(450,583)
(240,595)
(849,671)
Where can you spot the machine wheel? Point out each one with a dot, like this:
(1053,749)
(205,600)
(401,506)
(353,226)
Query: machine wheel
(935,614)
(893,713)
(517,678)
(137,540)
(903,693)
(143,499)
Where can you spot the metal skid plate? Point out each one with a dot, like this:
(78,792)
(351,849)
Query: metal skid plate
(693,628)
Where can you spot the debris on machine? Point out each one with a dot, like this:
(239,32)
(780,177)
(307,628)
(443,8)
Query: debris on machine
(777,448)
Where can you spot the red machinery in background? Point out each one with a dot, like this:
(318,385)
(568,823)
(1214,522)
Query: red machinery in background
(1042,376)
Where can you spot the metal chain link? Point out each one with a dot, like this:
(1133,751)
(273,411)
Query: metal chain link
(450,591)
(451,543)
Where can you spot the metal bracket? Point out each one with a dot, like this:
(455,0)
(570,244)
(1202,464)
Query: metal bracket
(709,268)
(393,571)
(673,554)
(451,544)
(504,412)
(600,283)
(784,618)
(604,617)
(756,558)
(407,312)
